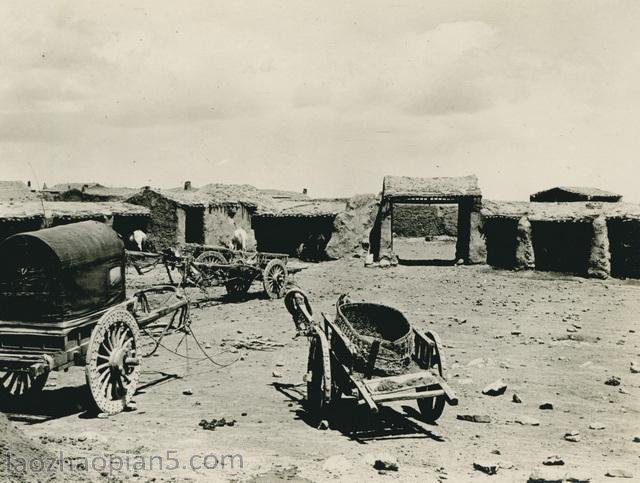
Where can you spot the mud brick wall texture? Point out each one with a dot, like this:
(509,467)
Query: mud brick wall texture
(425,220)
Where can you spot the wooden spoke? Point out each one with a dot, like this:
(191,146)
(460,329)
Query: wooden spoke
(111,380)
(274,278)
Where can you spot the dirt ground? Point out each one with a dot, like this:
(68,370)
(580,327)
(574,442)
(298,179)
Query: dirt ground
(551,338)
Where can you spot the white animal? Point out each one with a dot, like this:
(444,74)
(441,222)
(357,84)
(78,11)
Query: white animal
(139,238)
(239,239)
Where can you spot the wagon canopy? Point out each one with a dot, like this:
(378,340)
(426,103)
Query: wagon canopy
(61,273)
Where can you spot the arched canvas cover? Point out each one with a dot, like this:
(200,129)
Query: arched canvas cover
(61,273)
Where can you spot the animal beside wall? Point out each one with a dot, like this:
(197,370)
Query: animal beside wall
(138,240)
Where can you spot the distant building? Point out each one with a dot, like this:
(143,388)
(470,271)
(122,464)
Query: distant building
(574,193)
(207,215)
(34,214)
(15,191)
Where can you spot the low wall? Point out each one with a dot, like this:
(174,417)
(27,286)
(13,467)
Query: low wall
(425,220)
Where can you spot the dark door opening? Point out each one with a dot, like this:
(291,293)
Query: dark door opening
(194,225)
(562,246)
(501,239)
(624,245)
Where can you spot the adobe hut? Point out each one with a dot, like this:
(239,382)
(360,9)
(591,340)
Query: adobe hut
(563,194)
(36,214)
(298,228)
(462,191)
(206,215)
(587,239)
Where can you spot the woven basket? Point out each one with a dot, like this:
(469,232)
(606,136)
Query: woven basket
(363,323)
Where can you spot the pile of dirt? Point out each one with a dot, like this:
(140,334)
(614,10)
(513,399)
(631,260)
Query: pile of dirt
(352,226)
(24,460)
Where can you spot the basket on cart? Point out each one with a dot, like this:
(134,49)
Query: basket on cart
(370,352)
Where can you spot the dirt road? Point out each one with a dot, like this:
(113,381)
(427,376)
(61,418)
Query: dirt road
(551,339)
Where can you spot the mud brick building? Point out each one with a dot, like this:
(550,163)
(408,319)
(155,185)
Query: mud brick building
(583,238)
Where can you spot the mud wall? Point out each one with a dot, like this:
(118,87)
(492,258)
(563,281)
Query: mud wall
(162,228)
(352,226)
(624,246)
(221,221)
(501,240)
(562,246)
(425,220)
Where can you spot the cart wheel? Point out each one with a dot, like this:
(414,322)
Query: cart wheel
(237,286)
(431,408)
(18,386)
(319,387)
(274,278)
(112,365)
(212,257)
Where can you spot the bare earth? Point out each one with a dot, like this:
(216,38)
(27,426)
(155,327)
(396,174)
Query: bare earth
(550,338)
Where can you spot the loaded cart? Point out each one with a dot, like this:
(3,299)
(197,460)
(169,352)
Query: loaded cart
(63,302)
(209,266)
(371,352)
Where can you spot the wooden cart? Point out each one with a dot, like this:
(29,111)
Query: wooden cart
(375,369)
(63,302)
(208,266)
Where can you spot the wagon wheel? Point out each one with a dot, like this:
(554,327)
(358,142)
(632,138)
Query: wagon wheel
(211,257)
(238,285)
(431,408)
(319,387)
(18,386)
(274,279)
(112,365)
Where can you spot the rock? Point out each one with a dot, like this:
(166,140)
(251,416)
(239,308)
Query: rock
(488,467)
(573,436)
(276,374)
(636,439)
(527,421)
(474,418)
(618,473)
(516,399)
(496,388)
(613,381)
(546,406)
(386,463)
(187,392)
(553,461)
(545,477)
(634,368)
(596,426)
(323,425)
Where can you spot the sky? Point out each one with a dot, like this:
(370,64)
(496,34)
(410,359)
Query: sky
(329,95)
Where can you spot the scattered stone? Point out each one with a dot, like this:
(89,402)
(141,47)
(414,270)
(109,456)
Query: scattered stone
(386,463)
(490,468)
(527,421)
(516,399)
(276,374)
(187,392)
(613,381)
(573,436)
(636,439)
(634,368)
(323,425)
(596,426)
(540,477)
(496,388)
(103,415)
(553,461)
(546,406)
(474,418)
(618,473)
(215,423)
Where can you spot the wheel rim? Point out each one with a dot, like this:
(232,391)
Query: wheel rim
(112,361)
(275,279)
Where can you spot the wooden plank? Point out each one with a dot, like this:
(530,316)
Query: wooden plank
(407,396)
(347,343)
(364,392)
(373,383)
